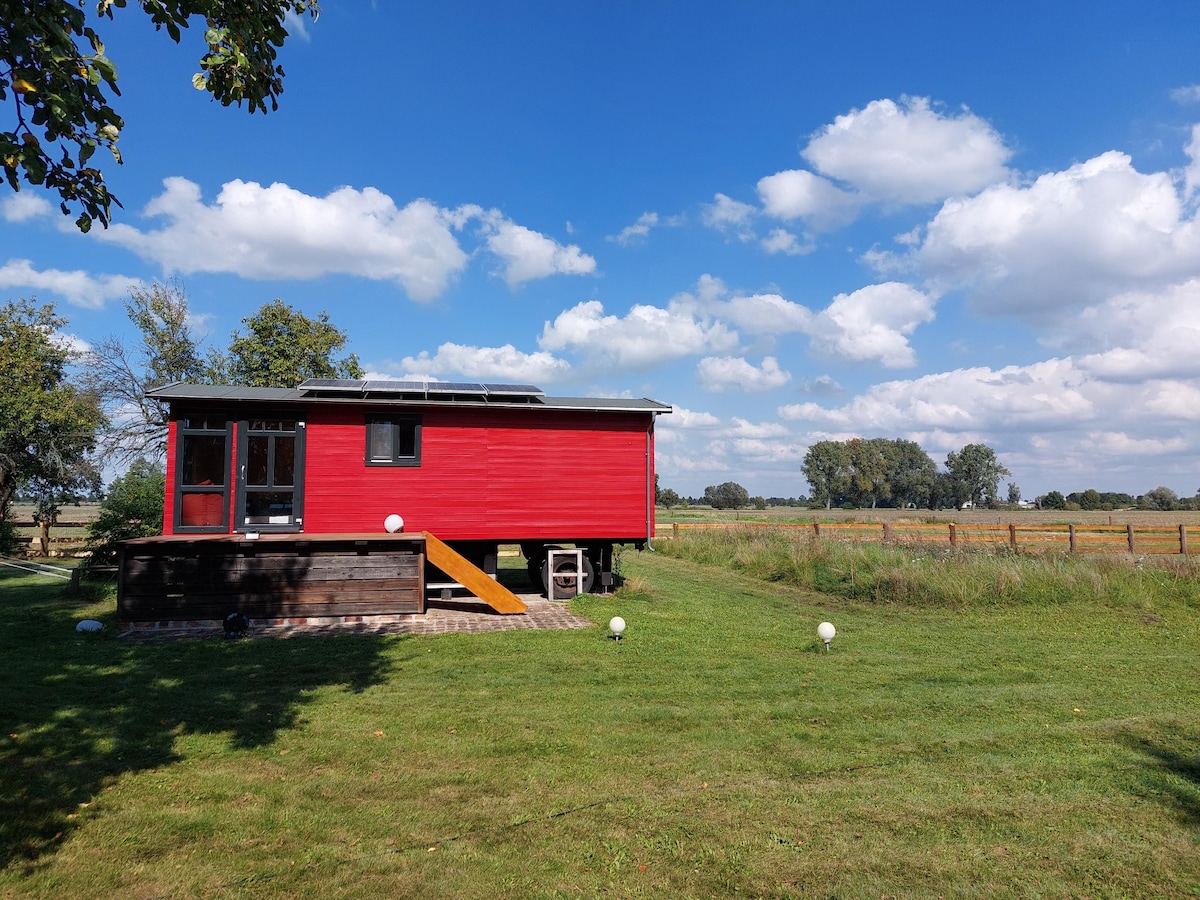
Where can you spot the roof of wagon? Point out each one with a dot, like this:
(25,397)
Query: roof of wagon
(403,393)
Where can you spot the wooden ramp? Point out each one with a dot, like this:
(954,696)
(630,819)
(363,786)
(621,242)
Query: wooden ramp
(471,577)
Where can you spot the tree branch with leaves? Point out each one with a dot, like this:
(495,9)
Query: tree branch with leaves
(57,82)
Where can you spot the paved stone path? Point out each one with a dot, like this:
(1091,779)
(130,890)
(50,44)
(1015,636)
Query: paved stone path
(460,615)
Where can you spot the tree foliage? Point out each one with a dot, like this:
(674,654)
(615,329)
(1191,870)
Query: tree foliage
(975,474)
(1054,500)
(827,468)
(167,351)
(870,472)
(1161,498)
(47,424)
(729,495)
(54,69)
(132,508)
(282,347)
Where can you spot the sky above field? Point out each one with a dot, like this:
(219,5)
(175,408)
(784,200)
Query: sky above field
(945,222)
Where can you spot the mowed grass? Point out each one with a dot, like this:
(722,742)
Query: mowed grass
(1013,749)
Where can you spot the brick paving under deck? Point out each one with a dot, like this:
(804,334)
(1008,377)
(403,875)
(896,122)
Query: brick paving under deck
(466,615)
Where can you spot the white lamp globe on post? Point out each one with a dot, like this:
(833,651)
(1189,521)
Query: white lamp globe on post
(826,631)
(616,625)
(393,523)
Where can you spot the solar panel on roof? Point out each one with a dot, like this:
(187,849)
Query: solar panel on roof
(332,384)
(515,390)
(456,387)
(397,387)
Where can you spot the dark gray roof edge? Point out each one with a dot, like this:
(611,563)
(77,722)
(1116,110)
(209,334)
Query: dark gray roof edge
(234,393)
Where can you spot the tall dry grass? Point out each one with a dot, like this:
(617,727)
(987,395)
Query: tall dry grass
(943,577)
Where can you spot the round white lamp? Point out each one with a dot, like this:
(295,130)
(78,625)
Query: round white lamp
(393,523)
(617,626)
(826,631)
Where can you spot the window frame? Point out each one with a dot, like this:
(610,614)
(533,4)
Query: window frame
(182,433)
(396,421)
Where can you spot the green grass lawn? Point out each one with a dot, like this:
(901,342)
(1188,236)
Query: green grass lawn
(1007,750)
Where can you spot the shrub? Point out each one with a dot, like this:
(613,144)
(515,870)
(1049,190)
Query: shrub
(133,508)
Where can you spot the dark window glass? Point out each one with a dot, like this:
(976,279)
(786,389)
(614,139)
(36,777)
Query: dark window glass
(268,508)
(203,459)
(285,461)
(380,437)
(256,460)
(406,439)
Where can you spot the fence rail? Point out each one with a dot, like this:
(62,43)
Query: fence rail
(1135,539)
(44,543)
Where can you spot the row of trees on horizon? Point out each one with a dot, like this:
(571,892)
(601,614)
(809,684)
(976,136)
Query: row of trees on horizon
(877,472)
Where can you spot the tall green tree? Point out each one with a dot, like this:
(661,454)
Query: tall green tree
(1161,497)
(48,425)
(868,472)
(1054,500)
(282,347)
(910,472)
(58,81)
(975,474)
(120,372)
(827,469)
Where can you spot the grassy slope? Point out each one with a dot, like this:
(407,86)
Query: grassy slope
(1015,751)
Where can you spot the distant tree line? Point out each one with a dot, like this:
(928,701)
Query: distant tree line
(1160,498)
(877,472)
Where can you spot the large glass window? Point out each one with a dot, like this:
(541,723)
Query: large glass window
(270,484)
(393,440)
(202,472)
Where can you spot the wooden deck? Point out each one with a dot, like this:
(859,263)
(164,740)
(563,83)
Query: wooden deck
(272,577)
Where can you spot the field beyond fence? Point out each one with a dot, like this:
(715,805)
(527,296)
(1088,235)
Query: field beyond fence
(1056,538)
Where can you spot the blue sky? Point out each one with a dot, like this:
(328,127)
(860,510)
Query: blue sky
(932,221)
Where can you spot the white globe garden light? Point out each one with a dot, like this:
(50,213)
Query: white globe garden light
(393,523)
(617,626)
(826,631)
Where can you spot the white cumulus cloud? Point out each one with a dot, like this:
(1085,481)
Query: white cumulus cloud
(908,152)
(873,323)
(726,373)
(505,363)
(277,231)
(77,287)
(23,206)
(528,255)
(730,216)
(780,240)
(645,337)
(798,194)
(1069,239)
(639,229)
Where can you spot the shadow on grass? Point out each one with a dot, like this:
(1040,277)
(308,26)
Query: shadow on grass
(79,710)
(1174,773)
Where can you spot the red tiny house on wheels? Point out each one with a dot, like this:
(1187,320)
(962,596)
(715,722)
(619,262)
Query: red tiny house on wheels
(475,465)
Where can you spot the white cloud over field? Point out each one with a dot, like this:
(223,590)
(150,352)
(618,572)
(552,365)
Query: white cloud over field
(278,232)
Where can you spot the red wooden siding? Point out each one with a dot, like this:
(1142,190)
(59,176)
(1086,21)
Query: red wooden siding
(502,475)
(484,475)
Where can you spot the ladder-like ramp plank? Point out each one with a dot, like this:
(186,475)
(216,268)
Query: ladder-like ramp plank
(471,577)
